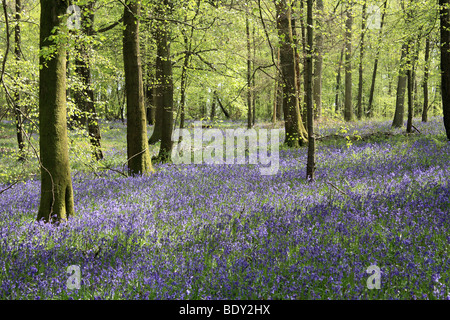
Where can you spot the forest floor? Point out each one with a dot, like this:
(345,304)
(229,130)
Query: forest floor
(381,199)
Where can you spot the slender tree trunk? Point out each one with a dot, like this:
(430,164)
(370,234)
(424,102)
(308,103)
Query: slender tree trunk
(410,101)
(348,108)
(84,98)
(401,87)
(317,89)
(445,62)
(425,81)
(295,131)
(18,109)
(310,166)
(165,80)
(183,84)
(338,83)
(213,108)
(279,110)
(139,160)
(56,202)
(249,72)
(359,108)
(254,77)
(375,65)
(299,74)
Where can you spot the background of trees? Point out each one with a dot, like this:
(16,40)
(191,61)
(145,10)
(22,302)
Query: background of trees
(167,62)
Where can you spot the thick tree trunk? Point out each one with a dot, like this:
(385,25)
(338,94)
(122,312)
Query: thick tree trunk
(425,81)
(359,108)
(348,108)
(139,161)
(401,88)
(445,62)
(317,89)
(310,166)
(295,131)
(18,109)
(56,203)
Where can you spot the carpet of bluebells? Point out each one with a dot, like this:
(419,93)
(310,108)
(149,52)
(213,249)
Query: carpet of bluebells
(227,232)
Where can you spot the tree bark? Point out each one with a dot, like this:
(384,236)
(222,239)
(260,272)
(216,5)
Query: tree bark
(337,103)
(348,108)
(359,108)
(310,166)
(165,80)
(18,109)
(401,87)
(139,161)
(375,65)
(410,101)
(445,62)
(56,204)
(249,72)
(425,81)
(295,131)
(318,64)
(84,97)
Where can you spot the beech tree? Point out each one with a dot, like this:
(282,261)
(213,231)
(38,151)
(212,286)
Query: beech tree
(295,131)
(139,160)
(56,202)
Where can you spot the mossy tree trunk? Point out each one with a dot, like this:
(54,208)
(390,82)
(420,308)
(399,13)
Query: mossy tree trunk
(401,88)
(56,184)
(295,131)
(139,160)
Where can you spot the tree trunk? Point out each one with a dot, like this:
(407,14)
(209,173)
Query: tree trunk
(56,202)
(249,72)
(310,166)
(425,81)
(348,108)
(410,101)
(445,62)
(338,83)
(254,77)
(165,80)
(375,65)
(401,87)
(359,108)
(317,89)
(139,161)
(18,109)
(279,91)
(84,98)
(295,131)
